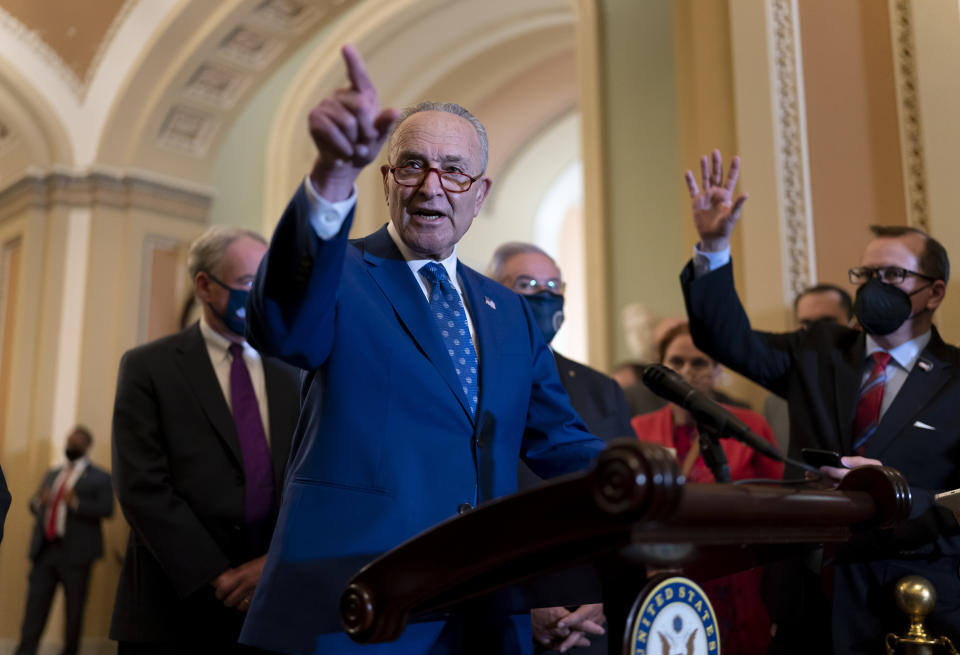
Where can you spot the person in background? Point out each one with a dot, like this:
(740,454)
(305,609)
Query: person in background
(886,395)
(628,374)
(741,616)
(201,434)
(823,302)
(69,506)
(597,398)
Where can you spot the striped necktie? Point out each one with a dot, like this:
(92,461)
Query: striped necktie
(868,405)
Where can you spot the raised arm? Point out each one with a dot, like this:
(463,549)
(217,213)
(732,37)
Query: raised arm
(348,128)
(718,322)
(292,305)
(715,212)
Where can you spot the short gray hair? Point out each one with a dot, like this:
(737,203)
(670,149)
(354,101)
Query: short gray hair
(511,249)
(207,251)
(450,108)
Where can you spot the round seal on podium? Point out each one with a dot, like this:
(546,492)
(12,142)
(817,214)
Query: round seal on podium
(672,616)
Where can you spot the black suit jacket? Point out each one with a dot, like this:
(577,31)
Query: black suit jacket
(179,477)
(819,372)
(82,537)
(599,401)
(4,502)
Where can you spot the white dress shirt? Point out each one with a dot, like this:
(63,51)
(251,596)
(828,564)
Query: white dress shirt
(327,218)
(71,475)
(217,348)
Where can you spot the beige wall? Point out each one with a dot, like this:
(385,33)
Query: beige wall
(855,173)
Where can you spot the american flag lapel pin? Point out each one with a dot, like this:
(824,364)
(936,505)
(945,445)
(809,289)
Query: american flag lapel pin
(924,365)
(490,302)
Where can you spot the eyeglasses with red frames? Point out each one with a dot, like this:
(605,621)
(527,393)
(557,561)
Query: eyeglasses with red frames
(452,181)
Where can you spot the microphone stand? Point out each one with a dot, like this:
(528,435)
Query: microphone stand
(713,455)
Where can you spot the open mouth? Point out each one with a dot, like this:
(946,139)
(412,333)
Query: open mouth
(427,215)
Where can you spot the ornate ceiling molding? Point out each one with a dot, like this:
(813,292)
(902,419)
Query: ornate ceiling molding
(911,134)
(78,86)
(133,190)
(253,42)
(13,28)
(793,170)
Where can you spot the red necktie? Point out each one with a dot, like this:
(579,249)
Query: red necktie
(868,405)
(51,531)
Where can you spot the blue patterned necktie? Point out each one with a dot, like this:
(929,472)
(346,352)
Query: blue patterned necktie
(451,318)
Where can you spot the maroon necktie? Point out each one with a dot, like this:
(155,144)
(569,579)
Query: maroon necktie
(259,502)
(868,405)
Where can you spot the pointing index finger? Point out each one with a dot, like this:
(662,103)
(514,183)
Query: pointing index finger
(357,70)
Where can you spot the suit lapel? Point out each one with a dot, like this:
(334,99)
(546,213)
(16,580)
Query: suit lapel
(280,410)
(198,371)
(922,384)
(392,274)
(483,315)
(848,368)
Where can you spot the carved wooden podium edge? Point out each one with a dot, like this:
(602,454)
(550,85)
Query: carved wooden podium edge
(633,494)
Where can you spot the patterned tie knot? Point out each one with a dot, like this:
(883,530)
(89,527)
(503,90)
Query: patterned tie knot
(434,273)
(880,360)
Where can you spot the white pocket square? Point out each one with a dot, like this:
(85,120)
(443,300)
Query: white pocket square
(923,426)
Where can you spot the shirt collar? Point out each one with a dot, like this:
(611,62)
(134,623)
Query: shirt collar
(220,345)
(415,262)
(78,464)
(907,353)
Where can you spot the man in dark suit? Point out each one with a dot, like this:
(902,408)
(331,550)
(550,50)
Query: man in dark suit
(69,505)
(885,395)
(821,302)
(435,379)
(529,271)
(201,433)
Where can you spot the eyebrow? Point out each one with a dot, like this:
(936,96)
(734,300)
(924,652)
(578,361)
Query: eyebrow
(446,159)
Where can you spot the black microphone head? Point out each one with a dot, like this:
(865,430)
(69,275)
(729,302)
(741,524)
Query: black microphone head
(666,383)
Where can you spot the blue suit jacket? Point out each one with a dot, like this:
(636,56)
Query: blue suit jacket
(386,446)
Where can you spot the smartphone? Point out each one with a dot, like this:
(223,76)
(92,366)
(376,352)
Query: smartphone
(817,457)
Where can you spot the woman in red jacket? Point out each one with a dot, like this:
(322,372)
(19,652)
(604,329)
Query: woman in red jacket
(742,618)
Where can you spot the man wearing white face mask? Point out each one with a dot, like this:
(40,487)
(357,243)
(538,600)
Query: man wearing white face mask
(887,395)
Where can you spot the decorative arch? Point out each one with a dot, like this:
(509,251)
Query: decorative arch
(472,57)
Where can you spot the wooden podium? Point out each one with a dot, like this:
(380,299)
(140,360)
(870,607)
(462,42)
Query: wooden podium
(597,534)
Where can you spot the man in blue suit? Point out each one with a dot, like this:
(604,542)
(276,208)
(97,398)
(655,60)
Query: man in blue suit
(424,381)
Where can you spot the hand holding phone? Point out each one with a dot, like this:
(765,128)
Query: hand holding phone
(818,457)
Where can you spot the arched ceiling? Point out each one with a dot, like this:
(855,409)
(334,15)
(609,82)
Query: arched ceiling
(74,31)
(154,86)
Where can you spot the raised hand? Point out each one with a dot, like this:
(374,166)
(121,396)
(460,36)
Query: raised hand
(348,128)
(715,212)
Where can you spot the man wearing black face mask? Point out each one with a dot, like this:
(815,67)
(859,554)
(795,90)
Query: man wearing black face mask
(597,398)
(201,434)
(885,395)
(69,505)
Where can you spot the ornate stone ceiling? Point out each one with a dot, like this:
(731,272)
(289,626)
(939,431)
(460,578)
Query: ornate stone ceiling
(74,31)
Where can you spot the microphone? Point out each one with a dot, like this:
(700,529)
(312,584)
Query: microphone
(668,384)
